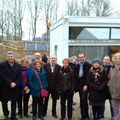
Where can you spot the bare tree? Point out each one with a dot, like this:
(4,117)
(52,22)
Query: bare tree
(2,20)
(86,7)
(34,7)
(16,8)
(73,7)
(102,7)
(49,9)
(8,23)
(20,10)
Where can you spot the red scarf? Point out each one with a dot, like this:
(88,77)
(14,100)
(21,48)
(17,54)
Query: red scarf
(23,74)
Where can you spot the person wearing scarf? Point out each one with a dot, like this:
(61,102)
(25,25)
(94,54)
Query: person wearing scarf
(97,80)
(24,89)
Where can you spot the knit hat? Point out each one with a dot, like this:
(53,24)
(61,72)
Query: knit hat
(96,61)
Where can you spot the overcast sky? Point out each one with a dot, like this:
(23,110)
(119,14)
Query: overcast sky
(114,3)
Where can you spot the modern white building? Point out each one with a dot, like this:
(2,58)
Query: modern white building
(94,36)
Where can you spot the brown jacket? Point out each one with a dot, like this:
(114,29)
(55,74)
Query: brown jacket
(66,79)
(114,83)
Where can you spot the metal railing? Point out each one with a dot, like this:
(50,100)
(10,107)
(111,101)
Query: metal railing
(95,42)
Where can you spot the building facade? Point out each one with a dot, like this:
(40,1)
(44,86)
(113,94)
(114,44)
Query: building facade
(94,36)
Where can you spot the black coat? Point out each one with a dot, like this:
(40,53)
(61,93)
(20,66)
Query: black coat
(80,82)
(0,80)
(9,75)
(107,69)
(53,78)
(97,84)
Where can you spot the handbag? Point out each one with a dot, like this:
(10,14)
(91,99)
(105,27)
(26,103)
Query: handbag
(43,91)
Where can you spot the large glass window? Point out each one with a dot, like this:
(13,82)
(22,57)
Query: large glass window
(115,33)
(93,33)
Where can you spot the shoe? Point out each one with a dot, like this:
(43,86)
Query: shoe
(84,119)
(44,114)
(61,118)
(6,118)
(20,116)
(41,118)
(55,115)
(33,118)
(27,116)
(73,103)
(31,112)
(69,118)
(13,118)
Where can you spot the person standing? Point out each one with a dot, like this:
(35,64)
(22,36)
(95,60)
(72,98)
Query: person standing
(37,57)
(73,66)
(11,76)
(81,72)
(44,58)
(66,88)
(107,66)
(97,81)
(37,74)
(24,89)
(0,81)
(52,70)
(114,85)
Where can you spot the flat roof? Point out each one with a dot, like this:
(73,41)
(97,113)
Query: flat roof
(88,20)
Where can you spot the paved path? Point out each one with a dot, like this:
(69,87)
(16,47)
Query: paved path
(76,111)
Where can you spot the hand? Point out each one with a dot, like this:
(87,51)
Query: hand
(85,88)
(12,85)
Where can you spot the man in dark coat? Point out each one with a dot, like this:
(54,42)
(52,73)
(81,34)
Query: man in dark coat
(81,72)
(52,70)
(11,75)
(73,66)
(0,80)
(107,66)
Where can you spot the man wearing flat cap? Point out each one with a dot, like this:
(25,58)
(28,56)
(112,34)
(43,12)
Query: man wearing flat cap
(11,75)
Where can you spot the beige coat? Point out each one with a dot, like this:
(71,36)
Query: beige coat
(114,83)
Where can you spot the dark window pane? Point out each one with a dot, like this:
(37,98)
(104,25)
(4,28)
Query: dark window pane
(83,33)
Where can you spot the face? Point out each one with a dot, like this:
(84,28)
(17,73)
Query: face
(74,59)
(117,60)
(24,64)
(65,64)
(53,60)
(10,58)
(106,60)
(96,65)
(38,66)
(37,55)
(81,57)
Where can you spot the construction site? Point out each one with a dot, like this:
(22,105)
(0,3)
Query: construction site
(19,48)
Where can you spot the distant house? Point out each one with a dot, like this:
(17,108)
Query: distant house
(94,36)
(40,44)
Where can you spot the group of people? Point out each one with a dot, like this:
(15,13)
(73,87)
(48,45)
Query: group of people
(95,82)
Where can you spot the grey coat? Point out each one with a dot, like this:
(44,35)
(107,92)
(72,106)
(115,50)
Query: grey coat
(114,83)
